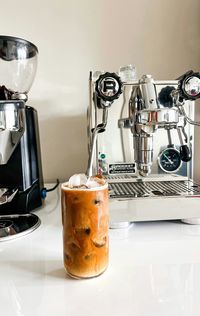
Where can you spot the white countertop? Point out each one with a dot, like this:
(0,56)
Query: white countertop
(154,270)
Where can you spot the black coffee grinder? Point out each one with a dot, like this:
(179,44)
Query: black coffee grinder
(21,179)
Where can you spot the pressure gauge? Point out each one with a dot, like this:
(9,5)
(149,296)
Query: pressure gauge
(169,160)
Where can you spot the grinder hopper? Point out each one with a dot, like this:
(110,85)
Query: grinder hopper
(18,64)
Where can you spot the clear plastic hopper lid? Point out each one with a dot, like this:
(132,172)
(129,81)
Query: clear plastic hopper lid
(18,64)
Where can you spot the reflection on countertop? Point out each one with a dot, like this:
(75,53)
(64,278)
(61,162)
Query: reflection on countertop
(154,270)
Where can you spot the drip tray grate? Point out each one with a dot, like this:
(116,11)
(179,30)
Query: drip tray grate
(153,189)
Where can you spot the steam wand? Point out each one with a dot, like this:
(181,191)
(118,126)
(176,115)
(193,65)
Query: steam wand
(188,120)
(100,128)
(108,87)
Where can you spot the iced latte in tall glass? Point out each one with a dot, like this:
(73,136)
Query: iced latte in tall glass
(85,227)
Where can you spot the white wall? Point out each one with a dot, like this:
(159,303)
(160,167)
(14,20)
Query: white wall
(75,36)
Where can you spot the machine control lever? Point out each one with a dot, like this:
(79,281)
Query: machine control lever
(185,152)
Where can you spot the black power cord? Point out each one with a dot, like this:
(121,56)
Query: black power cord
(45,190)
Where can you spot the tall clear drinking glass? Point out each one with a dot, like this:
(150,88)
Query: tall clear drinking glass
(85,221)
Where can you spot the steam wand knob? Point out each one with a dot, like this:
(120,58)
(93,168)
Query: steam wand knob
(108,88)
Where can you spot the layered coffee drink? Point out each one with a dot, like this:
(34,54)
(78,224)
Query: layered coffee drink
(85,221)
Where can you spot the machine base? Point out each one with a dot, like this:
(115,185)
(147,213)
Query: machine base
(119,225)
(150,209)
(191,221)
(154,199)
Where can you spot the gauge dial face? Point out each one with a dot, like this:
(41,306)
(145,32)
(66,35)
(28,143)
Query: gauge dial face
(169,160)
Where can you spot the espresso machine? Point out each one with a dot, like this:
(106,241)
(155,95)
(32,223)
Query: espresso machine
(21,179)
(141,139)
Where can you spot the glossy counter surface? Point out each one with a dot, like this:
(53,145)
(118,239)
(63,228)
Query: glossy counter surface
(154,270)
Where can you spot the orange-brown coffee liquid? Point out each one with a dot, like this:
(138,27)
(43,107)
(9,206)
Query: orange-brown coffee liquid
(85,231)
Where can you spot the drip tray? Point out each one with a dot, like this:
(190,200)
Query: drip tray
(13,226)
(136,189)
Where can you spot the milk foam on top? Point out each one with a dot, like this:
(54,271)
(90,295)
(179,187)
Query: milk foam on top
(81,181)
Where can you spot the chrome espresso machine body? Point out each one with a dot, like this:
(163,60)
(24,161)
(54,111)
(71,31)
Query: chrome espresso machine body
(21,179)
(141,138)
